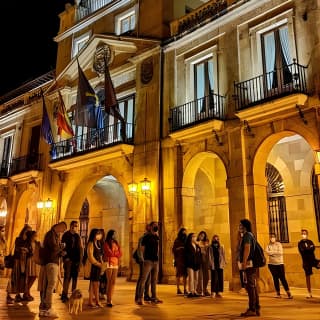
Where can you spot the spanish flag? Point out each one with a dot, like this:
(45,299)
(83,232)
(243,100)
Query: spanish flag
(63,121)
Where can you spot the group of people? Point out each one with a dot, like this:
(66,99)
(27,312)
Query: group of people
(195,260)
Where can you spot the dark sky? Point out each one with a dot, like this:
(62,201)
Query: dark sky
(27,47)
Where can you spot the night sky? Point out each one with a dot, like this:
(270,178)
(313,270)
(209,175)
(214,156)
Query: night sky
(27,47)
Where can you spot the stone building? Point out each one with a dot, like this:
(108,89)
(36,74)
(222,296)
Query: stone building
(220,100)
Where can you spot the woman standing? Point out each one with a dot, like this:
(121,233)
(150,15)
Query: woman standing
(178,251)
(18,283)
(217,262)
(32,268)
(203,243)
(112,254)
(95,253)
(275,252)
(193,262)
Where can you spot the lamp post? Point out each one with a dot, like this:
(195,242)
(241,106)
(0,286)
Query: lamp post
(46,207)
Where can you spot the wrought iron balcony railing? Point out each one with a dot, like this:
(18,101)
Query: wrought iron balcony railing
(275,84)
(196,111)
(93,140)
(87,7)
(32,161)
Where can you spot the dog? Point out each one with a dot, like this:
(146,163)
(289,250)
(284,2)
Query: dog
(75,302)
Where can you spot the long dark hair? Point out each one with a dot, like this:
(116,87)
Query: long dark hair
(205,239)
(109,239)
(93,234)
(24,229)
(189,239)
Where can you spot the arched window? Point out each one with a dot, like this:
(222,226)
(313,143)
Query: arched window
(84,222)
(278,223)
(316,200)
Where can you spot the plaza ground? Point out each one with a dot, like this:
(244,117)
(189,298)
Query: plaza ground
(174,307)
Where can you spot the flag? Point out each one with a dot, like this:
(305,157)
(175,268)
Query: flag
(87,101)
(63,121)
(110,100)
(45,125)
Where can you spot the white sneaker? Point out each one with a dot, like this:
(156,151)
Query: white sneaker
(309,296)
(50,313)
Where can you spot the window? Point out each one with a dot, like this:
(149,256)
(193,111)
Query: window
(79,42)
(7,142)
(203,85)
(126,21)
(276,57)
(278,223)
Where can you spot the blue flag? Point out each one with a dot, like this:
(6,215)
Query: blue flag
(45,125)
(87,103)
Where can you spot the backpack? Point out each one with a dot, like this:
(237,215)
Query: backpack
(258,258)
(135,256)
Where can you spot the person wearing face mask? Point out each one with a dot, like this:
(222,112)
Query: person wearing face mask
(95,253)
(178,251)
(203,242)
(50,270)
(306,248)
(276,266)
(217,262)
(71,261)
(150,253)
(111,253)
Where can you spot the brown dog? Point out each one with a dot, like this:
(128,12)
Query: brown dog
(75,302)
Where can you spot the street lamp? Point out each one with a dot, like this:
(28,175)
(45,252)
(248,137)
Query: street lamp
(145,186)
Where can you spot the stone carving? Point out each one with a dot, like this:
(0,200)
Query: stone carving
(147,70)
(103,53)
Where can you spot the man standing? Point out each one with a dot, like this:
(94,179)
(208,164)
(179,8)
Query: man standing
(71,261)
(52,251)
(246,263)
(306,248)
(150,252)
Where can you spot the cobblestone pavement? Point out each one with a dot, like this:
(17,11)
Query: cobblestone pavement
(174,307)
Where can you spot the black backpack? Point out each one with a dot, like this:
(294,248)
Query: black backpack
(258,258)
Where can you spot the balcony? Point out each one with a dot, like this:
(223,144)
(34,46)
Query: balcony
(30,162)
(290,79)
(87,7)
(197,111)
(92,141)
(198,17)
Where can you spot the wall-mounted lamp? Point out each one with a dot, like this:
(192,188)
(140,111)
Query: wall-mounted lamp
(3,212)
(145,186)
(48,204)
(133,188)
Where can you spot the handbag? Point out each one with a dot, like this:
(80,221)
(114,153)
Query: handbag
(9,261)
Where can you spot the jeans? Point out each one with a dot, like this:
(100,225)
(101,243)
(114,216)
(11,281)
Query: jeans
(203,278)
(51,272)
(149,268)
(147,284)
(251,286)
(71,270)
(192,279)
(278,273)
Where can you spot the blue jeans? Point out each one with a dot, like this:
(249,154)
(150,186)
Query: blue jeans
(149,268)
(147,284)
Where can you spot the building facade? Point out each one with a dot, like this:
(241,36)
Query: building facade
(220,100)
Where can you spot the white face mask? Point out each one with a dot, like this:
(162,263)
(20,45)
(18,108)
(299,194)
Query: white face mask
(304,236)
(273,240)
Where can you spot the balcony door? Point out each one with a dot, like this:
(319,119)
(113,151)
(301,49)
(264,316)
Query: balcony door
(277,61)
(204,88)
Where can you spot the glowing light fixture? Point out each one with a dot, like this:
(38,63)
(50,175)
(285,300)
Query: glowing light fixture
(3,213)
(45,204)
(145,186)
(133,188)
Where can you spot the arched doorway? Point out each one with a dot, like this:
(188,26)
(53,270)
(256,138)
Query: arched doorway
(103,205)
(205,200)
(284,196)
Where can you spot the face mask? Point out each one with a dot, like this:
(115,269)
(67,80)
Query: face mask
(155,229)
(273,240)
(304,236)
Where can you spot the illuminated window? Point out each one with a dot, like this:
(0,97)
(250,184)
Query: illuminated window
(6,143)
(126,21)
(79,42)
